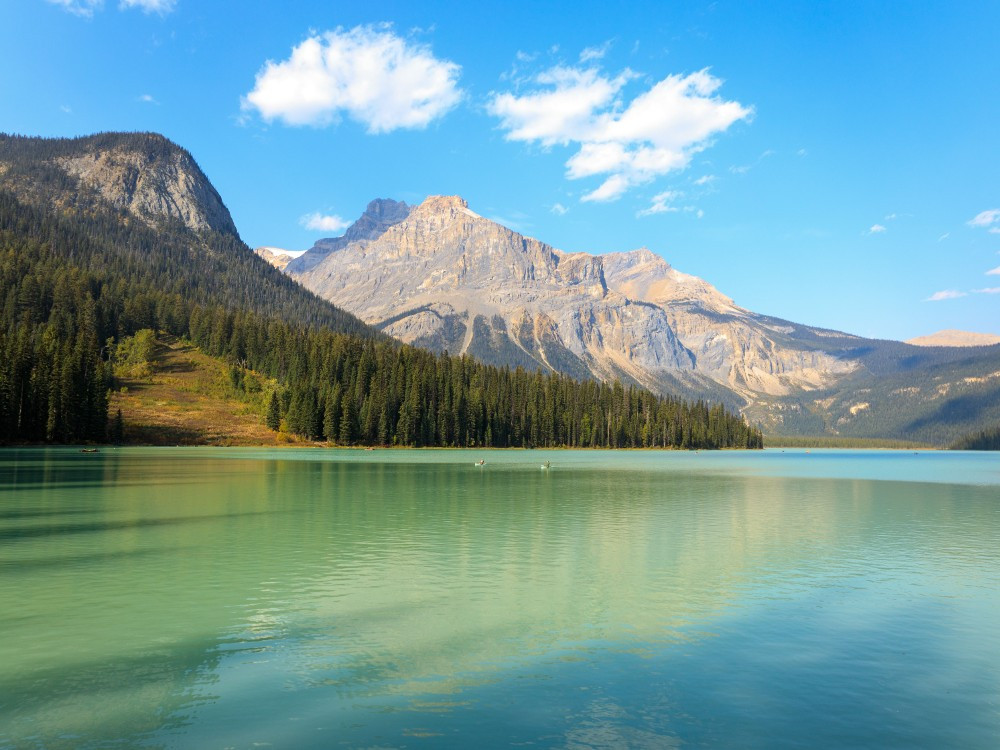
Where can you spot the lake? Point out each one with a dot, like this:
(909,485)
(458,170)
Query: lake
(312,598)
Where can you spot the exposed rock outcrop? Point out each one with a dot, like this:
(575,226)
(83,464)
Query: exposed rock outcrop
(142,173)
(441,276)
(276,256)
(735,347)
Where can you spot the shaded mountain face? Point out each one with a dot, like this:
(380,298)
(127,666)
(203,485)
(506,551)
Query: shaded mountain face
(144,174)
(440,276)
(137,209)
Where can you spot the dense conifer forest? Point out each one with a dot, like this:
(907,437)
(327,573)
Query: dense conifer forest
(73,287)
(984,440)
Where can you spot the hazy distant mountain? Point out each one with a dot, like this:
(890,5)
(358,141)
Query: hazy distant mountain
(951,337)
(277,257)
(440,276)
(379,216)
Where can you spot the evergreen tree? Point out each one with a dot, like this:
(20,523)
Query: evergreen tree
(347,428)
(274,412)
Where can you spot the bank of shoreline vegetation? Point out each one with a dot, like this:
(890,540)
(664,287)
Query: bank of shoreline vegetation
(844,443)
(984,440)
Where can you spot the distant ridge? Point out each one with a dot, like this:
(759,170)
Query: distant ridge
(278,257)
(952,337)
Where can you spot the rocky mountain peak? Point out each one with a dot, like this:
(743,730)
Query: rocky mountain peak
(143,173)
(444,204)
(638,257)
(643,275)
(379,215)
(446,278)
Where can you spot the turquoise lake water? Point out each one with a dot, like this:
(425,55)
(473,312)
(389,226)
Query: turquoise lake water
(246,598)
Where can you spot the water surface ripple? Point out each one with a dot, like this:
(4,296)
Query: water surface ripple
(239,598)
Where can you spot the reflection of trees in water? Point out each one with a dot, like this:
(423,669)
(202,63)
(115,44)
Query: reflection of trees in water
(124,698)
(153,578)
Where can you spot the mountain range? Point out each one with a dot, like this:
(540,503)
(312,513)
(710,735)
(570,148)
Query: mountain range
(115,246)
(130,226)
(440,276)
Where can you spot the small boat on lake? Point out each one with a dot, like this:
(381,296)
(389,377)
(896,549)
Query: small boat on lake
(547,465)
(89,450)
(481,462)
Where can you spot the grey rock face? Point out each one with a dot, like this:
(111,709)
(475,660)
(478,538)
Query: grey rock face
(441,276)
(733,346)
(451,268)
(380,214)
(152,185)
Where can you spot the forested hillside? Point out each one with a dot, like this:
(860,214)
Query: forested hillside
(77,277)
(71,288)
(984,440)
(358,391)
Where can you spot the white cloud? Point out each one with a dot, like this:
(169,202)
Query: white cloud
(147,99)
(595,53)
(374,76)
(876,229)
(87,8)
(801,152)
(705,179)
(561,115)
(66,109)
(149,6)
(83,8)
(627,142)
(994,271)
(744,168)
(662,203)
(558,209)
(994,230)
(321,223)
(988,290)
(944,236)
(611,189)
(985,218)
(945,294)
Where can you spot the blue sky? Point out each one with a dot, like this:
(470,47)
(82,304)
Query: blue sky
(835,164)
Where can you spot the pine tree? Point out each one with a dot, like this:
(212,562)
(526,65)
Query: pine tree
(273,412)
(348,418)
